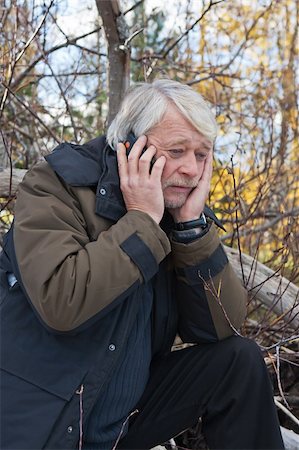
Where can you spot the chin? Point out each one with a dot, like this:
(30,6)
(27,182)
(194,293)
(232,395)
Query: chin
(173,203)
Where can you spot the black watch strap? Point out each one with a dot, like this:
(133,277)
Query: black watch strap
(191,235)
(201,222)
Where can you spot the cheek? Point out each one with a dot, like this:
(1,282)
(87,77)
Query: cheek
(170,168)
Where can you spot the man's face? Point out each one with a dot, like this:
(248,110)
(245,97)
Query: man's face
(185,150)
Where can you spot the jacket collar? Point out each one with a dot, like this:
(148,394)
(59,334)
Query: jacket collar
(94,165)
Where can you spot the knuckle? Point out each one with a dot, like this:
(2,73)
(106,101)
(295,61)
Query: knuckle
(131,156)
(132,182)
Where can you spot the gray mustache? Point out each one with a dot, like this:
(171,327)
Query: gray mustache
(179,183)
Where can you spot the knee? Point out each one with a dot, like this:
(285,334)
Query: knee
(245,353)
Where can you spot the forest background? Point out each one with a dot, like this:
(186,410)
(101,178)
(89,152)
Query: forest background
(57,84)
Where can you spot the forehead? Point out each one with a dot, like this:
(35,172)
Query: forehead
(175,129)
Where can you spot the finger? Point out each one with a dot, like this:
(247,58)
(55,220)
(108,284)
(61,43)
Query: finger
(122,161)
(158,167)
(203,187)
(145,161)
(135,153)
(208,169)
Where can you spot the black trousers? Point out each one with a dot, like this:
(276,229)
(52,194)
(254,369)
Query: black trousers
(226,384)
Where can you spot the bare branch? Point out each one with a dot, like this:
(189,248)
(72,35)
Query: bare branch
(244,43)
(67,43)
(191,27)
(31,112)
(19,56)
(265,226)
(64,99)
(133,7)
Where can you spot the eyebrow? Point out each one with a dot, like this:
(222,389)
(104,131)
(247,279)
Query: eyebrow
(183,141)
(207,146)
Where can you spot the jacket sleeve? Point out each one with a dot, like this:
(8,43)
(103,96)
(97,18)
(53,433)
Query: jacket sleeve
(69,277)
(211,299)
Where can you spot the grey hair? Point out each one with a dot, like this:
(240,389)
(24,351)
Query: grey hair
(145,104)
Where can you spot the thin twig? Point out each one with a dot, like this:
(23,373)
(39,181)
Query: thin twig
(290,339)
(80,393)
(19,56)
(186,32)
(133,7)
(278,376)
(175,43)
(63,94)
(216,293)
(237,223)
(67,43)
(31,112)
(265,226)
(129,39)
(123,427)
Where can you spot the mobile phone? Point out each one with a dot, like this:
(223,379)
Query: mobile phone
(130,141)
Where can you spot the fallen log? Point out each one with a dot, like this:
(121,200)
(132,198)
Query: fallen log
(9,181)
(268,287)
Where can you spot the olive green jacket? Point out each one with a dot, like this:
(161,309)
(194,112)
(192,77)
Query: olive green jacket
(74,270)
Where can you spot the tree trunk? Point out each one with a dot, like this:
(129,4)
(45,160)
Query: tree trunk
(118,54)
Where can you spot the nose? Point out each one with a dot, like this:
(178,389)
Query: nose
(189,166)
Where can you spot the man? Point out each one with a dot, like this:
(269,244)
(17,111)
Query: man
(112,254)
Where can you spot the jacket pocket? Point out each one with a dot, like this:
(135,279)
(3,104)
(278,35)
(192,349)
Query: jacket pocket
(38,378)
(28,412)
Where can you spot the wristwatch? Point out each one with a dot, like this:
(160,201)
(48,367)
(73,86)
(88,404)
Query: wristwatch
(191,230)
(201,222)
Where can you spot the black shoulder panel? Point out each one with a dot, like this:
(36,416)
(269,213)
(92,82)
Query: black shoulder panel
(78,165)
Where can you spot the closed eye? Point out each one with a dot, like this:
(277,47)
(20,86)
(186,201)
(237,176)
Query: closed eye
(176,152)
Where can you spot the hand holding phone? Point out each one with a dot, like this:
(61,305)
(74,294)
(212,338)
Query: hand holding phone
(140,179)
(130,141)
